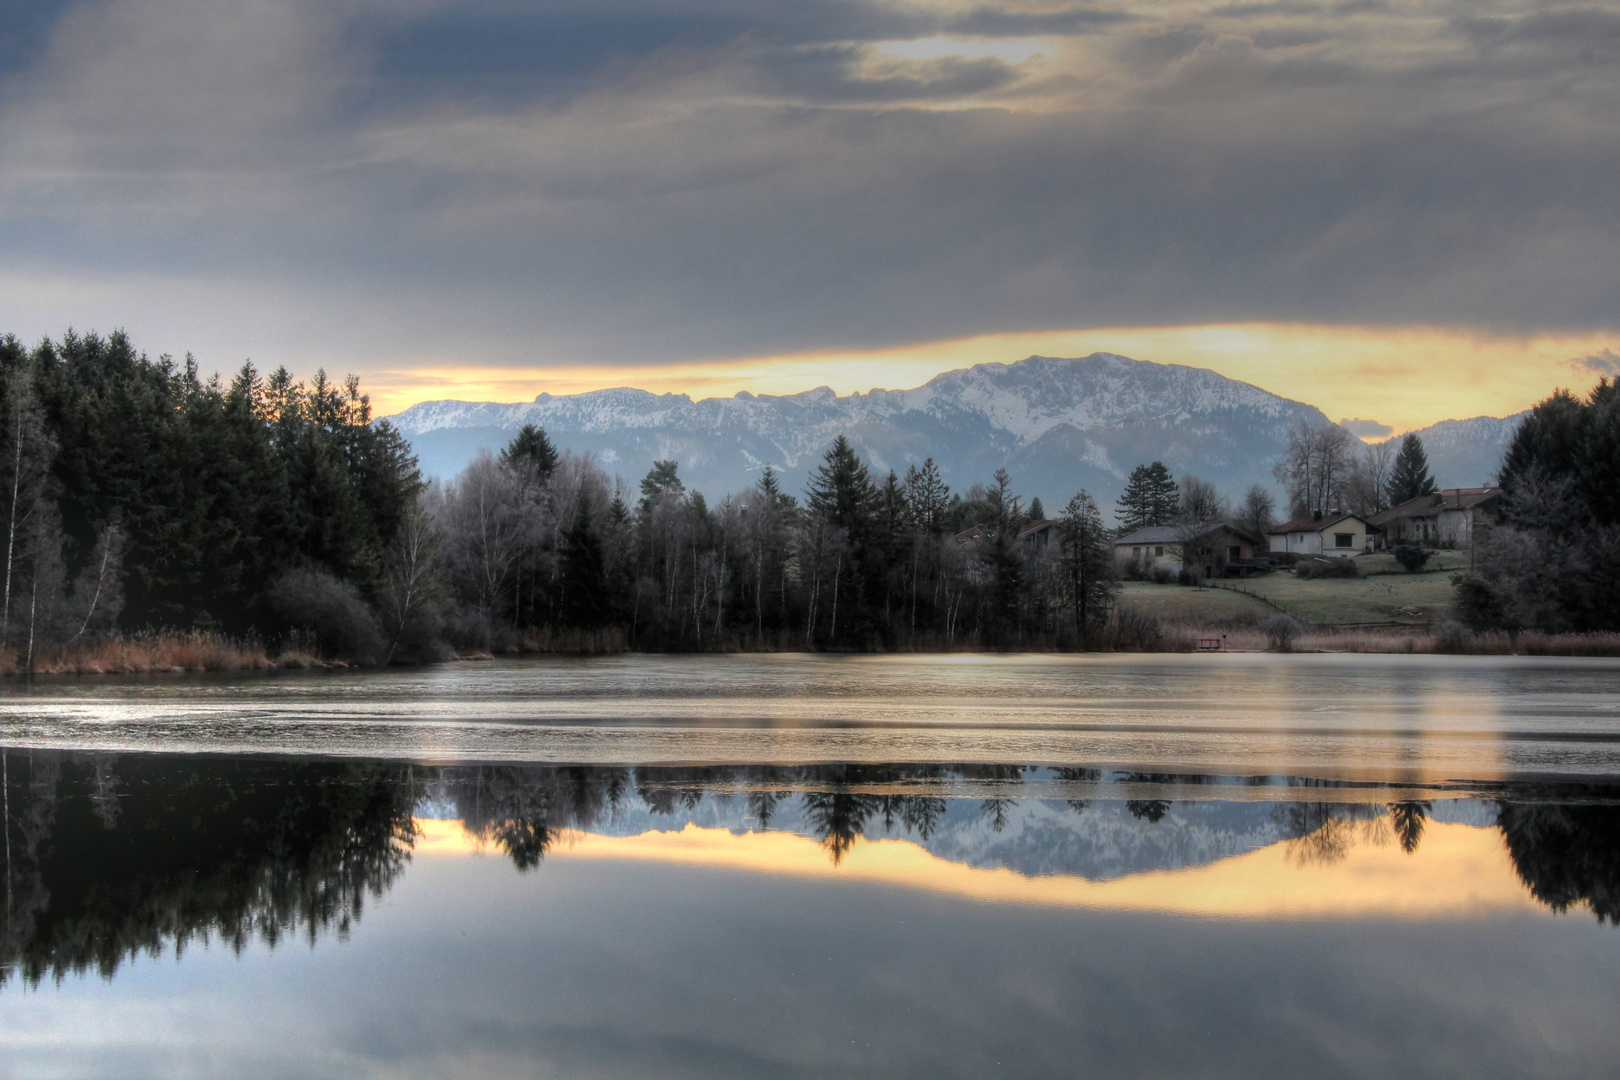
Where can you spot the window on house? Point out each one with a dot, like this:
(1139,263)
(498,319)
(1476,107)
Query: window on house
(1159,550)
(1344,540)
(1136,552)
(1234,552)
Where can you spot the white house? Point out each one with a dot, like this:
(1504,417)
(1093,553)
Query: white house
(1332,535)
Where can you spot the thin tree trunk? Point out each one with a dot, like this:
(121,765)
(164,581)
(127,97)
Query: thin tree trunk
(101,578)
(33,607)
(838,571)
(11,532)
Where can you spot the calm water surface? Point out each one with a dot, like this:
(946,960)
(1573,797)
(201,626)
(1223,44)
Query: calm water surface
(792,866)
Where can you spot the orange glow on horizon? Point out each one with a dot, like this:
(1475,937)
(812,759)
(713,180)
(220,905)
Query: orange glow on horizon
(1457,871)
(1404,377)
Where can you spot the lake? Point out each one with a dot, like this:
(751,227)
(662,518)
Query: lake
(797,866)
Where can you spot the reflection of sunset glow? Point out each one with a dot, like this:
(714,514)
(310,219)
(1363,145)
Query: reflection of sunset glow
(1458,871)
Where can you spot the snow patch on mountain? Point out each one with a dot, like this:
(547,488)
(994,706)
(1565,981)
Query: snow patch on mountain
(1058,425)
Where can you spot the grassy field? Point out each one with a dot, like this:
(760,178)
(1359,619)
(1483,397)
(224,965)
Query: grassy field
(1384,563)
(1411,599)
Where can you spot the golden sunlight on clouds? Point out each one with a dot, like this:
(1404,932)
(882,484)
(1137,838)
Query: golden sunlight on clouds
(1457,871)
(1406,378)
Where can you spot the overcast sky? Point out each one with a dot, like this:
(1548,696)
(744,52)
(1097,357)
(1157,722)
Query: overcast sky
(434,187)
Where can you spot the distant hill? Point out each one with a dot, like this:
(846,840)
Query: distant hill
(1057,425)
(1468,453)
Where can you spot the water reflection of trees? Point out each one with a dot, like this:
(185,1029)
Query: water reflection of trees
(110,857)
(1567,854)
(524,810)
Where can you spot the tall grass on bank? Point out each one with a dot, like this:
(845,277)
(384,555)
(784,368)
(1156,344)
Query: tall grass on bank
(147,653)
(202,652)
(1442,638)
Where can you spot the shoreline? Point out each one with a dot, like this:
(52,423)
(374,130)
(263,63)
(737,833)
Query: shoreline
(198,653)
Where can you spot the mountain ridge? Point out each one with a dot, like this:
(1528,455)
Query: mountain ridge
(1057,424)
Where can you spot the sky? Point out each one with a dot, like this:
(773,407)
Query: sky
(1397,210)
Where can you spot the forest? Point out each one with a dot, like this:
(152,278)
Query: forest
(1552,560)
(141,497)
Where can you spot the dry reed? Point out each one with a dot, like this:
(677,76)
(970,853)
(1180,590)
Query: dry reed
(148,653)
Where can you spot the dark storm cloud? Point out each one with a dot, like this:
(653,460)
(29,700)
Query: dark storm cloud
(657,181)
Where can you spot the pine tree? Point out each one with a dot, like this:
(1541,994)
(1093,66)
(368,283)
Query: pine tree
(584,572)
(841,489)
(1151,497)
(660,480)
(531,448)
(928,497)
(1088,564)
(1410,477)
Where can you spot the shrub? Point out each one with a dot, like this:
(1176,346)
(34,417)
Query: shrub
(1162,575)
(1411,557)
(1484,605)
(331,609)
(1328,568)
(1133,569)
(1136,630)
(1281,630)
(1451,636)
(1186,577)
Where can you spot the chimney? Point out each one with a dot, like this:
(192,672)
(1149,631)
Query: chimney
(1316,515)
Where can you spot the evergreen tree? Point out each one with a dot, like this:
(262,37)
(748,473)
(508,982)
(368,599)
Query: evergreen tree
(1003,560)
(1037,512)
(841,500)
(1150,498)
(584,572)
(928,497)
(532,449)
(1409,478)
(841,489)
(1088,564)
(1552,562)
(660,480)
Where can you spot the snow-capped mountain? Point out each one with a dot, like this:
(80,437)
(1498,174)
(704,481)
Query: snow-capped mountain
(1468,453)
(1058,425)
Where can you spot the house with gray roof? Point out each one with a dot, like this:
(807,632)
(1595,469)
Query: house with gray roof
(1209,549)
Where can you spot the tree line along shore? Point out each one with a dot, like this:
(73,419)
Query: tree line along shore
(156,519)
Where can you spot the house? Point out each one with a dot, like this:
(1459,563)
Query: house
(1035,536)
(1446,519)
(1332,535)
(1213,550)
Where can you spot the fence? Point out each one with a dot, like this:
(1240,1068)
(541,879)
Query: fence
(1211,583)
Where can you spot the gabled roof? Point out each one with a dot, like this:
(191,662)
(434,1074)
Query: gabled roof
(1310,525)
(1035,526)
(1432,505)
(1172,534)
